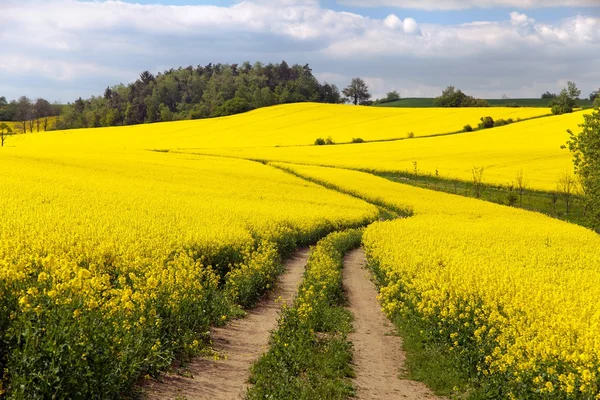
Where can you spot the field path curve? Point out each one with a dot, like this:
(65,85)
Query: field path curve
(239,343)
(378,355)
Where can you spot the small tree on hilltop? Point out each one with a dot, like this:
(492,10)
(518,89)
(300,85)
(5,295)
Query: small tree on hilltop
(585,147)
(563,103)
(566,101)
(5,131)
(391,96)
(452,97)
(357,92)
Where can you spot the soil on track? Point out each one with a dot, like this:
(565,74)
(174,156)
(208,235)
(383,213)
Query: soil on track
(378,356)
(238,343)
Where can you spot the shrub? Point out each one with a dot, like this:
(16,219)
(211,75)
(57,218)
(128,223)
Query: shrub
(319,142)
(329,140)
(500,122)
(358,140)
(410,135)
(467,128)
(486,122)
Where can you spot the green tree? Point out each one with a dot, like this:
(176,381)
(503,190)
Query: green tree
(573,90)
(5,131)
(452,97)
(585,147)
(391,96)
(548,96)
(357,92)
(23,112)
(563,103)
(42,110)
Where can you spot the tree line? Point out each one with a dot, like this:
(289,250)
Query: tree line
(206,91)
(30,114)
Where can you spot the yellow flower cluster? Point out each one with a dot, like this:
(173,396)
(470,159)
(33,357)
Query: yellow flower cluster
(514,292)
(111,262)
(533,146)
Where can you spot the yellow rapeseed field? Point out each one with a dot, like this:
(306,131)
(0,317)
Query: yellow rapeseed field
(284,125)
(532,146)
(111,263)
(114,256)
(513,292)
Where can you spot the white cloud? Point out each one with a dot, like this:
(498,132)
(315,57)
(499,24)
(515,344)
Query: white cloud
(409,25)
(520,19)
(94,44)
(467,4)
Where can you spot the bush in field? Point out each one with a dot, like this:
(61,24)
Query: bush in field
(467,128)
(486,122)
(358,140)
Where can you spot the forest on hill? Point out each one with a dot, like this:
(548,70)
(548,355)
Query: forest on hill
(206,91)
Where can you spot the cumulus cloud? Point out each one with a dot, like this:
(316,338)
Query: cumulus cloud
(466,4)
(89,45)
(409,25)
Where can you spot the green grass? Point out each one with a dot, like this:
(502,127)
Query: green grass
(431,362)
(424,102)
(310,356)
(531,200)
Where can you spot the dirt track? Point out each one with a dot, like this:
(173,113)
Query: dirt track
(239,343)
(378,355)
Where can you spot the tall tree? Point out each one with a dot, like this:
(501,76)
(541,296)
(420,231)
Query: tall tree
(42,109)
(357,91)
(573,90)
(146,77)
(23,112)
(586,156)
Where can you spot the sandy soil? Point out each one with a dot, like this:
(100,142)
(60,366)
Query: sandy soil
(378,355)
(239,344)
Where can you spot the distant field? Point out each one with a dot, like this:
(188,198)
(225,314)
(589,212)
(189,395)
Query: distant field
(428,102)
(533,146)
(286,125)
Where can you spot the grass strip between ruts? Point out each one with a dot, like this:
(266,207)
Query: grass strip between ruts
(310,355)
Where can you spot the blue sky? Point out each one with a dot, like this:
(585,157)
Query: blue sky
(63,49)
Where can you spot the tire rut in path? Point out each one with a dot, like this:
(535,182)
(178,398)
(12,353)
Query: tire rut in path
(378,355)
(239,344)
